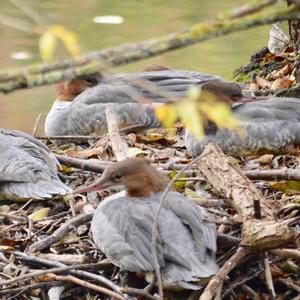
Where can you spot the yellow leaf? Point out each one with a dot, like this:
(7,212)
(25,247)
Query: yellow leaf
(167,114)
(47,46)
(6,247)
(40,214)
(220,113)
(188,112)
(194,93)
(68,239)
(289,187)
(134,152)
(69,39)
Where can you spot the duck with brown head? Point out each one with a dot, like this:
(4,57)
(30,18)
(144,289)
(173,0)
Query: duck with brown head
(80,110)
(122,226)
(271,125)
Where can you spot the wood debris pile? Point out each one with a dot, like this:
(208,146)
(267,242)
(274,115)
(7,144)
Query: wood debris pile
(271,74)
(47,251)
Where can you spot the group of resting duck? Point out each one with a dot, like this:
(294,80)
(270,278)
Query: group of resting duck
(185,244)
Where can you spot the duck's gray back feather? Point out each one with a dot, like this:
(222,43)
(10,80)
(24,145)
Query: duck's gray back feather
(27,168)
(267,125)
(122,228)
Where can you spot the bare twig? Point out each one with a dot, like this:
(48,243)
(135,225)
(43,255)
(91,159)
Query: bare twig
(34,286)
(138,292)
(269,279)
(287,253)
(47,262)
(250,9)
(217,279)
(118,145)
(61,232)
(45,74)
(282,174)
(36,124)
(88,285)
(241,282)
(52,270)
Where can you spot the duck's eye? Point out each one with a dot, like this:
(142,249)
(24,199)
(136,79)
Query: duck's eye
(236,97)
(118,177)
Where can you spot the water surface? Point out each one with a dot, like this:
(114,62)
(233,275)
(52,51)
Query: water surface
(144,19)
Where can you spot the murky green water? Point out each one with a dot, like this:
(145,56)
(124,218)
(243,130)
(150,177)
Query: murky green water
(143,19)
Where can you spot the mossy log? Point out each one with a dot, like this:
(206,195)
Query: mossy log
(43,74)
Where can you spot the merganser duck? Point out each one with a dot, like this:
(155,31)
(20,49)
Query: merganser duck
(122,226)
(27,168)
(79,110)
(271,125)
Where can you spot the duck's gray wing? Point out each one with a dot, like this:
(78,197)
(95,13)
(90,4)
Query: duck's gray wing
(258,134)
(158,86)
(194,216)
(20,135)
(33,165)
(6,177)
(122,230)
(270,109)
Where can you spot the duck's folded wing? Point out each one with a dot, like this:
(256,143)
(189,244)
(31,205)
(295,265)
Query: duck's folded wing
(6,177)
(193,216)
(122,229)
(258,134)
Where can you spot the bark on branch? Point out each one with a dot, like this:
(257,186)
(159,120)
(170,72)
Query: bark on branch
(229,181)
(39,75)
(257,234)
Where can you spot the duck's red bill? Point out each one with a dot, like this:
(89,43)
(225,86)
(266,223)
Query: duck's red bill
(97,186)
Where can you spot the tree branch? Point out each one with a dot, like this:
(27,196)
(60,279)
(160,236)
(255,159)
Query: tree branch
(43,74)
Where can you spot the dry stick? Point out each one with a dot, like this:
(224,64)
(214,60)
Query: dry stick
(98,278)
(138,292)
(287,253)
(154,228)
(288,282)
(123,54)
(125,130)
(240,282)
(53,270)
(34,286)
(69,137)
(282,174)
(36,124)
(37,273)
(88,285)
(247,9)
(269,278)
(215,282)
(228,181)
(85,164)
(268,274)
(60,233)
(118,145)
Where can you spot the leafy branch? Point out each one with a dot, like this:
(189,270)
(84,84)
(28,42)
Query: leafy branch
(255,14)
